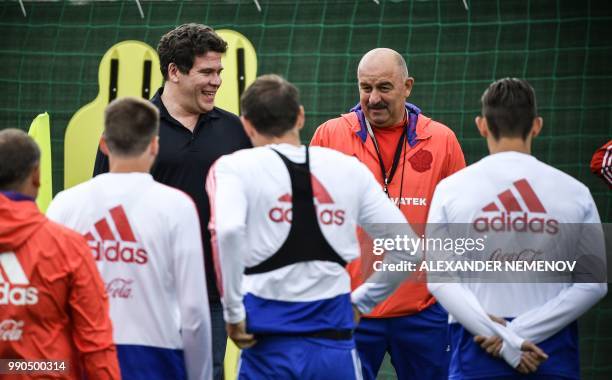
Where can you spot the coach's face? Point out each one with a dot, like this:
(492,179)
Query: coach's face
(200,85)
(383,89)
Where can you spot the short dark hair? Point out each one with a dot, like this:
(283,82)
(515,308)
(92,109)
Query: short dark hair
(19,155)
(182,44)
(271,104)
(509,105)
(129,126)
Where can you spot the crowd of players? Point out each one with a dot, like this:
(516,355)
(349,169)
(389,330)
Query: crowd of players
(199,224)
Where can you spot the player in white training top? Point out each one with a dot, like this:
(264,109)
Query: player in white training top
(283,221)
(145,238)
(511,190)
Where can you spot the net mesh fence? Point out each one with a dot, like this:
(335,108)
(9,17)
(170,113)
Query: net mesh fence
(50,63)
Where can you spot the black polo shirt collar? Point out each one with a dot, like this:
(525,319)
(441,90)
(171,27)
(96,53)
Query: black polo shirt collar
(165,115)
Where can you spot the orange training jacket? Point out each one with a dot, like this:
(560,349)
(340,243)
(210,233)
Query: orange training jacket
(52,300)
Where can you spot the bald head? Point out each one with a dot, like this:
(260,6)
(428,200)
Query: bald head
(384,85)
(384,57)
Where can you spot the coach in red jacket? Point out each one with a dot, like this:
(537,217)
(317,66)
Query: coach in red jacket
(52,301)
(408,153)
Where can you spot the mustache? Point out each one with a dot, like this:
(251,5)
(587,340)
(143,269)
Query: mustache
(378,106)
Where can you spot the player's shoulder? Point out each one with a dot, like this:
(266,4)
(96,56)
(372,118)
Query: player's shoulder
(559,179)
(243,162)
(539,172)
(75,194)
(470,176)
(333,156)
(242,157)
(169,197)
(341,164)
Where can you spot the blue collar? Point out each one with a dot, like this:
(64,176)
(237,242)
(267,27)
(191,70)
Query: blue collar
(413,115)
(15,196)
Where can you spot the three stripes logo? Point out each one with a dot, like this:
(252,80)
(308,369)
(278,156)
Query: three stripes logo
(518,209)
(606,165)
(113,240)
(318,191)
(14,287)
(324,205)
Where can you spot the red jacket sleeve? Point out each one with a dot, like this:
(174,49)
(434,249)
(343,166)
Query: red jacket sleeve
(92,328)
(456,160)
(601,163)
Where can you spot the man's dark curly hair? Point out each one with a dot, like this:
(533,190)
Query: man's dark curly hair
(182,44)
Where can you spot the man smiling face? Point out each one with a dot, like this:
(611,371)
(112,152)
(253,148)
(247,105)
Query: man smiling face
(199,86)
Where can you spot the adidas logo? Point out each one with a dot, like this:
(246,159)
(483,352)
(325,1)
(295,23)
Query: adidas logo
(13,282)
(106,247)
(318,191)
(525,204)
(327,214)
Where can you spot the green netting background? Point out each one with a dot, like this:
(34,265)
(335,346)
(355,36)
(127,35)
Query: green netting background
(564,48)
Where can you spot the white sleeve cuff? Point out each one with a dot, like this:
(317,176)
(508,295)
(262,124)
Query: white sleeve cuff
(362,301)
(511,355)
(234,314)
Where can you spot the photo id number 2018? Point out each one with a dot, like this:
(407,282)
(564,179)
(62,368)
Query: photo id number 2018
(12,366)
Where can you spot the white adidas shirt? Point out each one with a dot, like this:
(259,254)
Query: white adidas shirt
(145,237)
(513,183)
(249,193)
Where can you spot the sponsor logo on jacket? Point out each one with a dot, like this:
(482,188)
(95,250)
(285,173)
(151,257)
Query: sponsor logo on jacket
(14,289)
(409,201)
(11,330)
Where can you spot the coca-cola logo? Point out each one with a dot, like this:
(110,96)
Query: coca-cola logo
(527,255)
(11,330)
(119,288)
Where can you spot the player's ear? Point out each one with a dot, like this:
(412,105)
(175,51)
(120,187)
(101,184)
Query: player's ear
(173,72)
(536,126)
(154,146)
(35,176)
(31,185)
(481,124)
(104,146)
(301,118)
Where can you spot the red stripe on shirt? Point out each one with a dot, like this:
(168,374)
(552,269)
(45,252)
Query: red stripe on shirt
(122,224)
(211,188)
(529,196)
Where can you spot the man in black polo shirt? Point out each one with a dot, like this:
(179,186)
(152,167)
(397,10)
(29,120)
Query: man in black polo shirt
(193,133)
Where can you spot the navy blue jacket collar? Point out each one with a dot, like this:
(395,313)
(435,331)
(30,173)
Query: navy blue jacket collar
(15,196)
